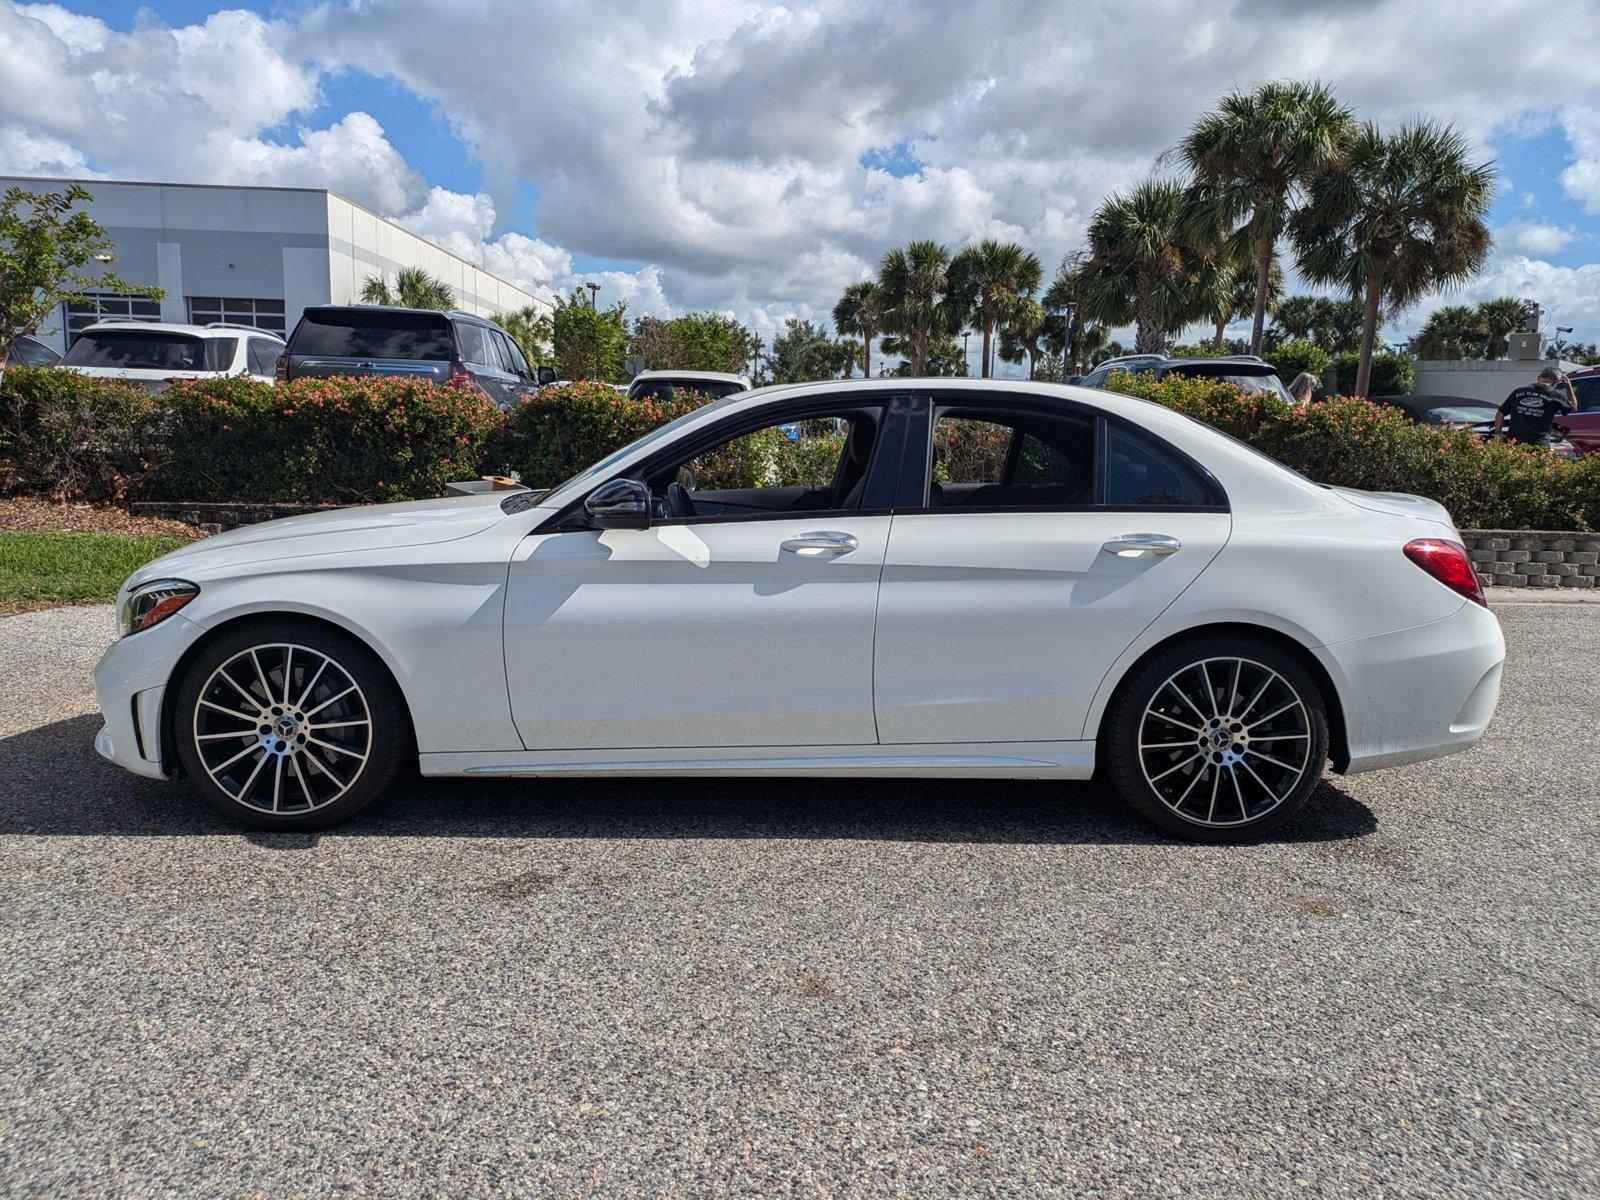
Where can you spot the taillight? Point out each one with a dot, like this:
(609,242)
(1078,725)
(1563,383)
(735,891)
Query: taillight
(280,372)
(459,375)
(1448,563)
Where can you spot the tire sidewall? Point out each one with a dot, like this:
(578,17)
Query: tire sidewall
(391,735)
(1121,743)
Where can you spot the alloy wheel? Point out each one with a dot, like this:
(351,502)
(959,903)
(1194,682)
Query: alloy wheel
(282,728)
(1224,741)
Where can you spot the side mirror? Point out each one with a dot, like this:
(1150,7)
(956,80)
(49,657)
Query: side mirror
(546,376)
(1073,379)
(620,504)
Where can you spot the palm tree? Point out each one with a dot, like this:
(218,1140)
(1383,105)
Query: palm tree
(413,288)
(1024,333)
(914,281)
(530,329)
(860,312)
(1404,214)
(1228,290)
(1253,157)
(1074,336)
(987,280)
(1296,316)
(1143,261)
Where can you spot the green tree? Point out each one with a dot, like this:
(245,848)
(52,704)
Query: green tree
(1025,334)
(860,312)
(704,341)
(1254,157)
(914,281)
(1227,290)
(1296,316)
(803,352)
(1069,332)
(413,288)
(1402,215)
(987,281)
(589,341)
(531,328)
(44,248)
(943,357)
(1144,258)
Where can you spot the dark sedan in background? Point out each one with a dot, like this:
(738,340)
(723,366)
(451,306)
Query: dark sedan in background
(1465,412)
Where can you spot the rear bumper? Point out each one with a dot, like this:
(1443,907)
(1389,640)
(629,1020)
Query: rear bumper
(1420,693)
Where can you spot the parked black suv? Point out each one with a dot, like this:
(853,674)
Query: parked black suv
(454,348)
(1248,372)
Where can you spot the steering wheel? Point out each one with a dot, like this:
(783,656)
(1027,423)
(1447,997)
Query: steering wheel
(678,502)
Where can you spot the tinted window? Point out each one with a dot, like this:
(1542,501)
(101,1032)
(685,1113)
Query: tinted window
(263,356)
(665,389)
(1247,381)
(356,334)
(1011,461)
(137,350)
(473,346)
(1588,391)
(502,351)
(519,364)
(1140,472)
(29,353)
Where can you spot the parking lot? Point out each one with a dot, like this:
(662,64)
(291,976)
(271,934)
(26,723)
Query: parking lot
(830,988)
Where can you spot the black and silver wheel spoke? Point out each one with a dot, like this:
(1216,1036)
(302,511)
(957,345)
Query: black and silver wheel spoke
(292,737)
(1240,762)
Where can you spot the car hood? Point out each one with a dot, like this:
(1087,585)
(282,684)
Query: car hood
(341,530)
(1397,504)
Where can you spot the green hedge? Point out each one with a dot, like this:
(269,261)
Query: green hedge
(1392,374)
(352,441)
(311,441)
(1349,442)
(1297,355)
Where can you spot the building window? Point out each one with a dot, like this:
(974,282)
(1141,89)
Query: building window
(85,310)
(259,314)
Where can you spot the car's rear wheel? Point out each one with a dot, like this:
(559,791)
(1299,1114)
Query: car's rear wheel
(1218,737)
(289,725)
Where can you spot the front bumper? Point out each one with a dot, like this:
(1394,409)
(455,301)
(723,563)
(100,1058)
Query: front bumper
(129,681)
(1420,693)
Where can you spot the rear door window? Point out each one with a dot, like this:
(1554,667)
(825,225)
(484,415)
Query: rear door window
(1588,391)
(263,356)
(1139,472)
(377,334)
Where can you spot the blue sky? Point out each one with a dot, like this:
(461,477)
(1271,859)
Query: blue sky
(757,159)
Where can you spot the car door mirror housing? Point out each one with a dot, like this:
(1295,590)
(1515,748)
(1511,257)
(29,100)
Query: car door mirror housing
(620,504)
(546,376)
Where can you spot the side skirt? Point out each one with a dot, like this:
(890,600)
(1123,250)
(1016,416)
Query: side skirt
(976,760)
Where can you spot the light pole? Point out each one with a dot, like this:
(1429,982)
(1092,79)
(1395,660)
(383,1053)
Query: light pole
(594,290)
(966,358)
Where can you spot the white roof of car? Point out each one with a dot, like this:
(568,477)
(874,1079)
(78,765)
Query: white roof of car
(217,330)
(701,376)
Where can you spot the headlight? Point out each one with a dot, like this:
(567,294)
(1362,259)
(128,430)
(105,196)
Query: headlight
(152,603)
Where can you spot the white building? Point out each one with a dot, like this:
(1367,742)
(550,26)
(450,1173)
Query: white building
(253,255)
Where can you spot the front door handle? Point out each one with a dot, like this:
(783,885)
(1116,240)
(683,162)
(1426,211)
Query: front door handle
(1131,545)
(824,543)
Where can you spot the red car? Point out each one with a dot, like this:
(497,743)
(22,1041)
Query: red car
(1585,423)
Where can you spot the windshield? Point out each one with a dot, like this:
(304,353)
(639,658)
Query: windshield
(373,334)
(1464,414)
(141,350)
(1588,390)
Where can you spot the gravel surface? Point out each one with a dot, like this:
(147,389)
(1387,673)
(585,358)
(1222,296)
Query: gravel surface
(834,988)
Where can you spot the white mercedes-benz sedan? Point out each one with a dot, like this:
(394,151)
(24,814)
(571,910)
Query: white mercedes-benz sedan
(858,578)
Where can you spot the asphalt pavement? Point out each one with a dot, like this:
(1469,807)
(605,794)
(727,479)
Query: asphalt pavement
(733,987)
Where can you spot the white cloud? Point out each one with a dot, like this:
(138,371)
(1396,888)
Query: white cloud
(722,143)
(1532,237)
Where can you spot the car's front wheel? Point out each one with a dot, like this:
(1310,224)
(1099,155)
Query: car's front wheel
(289,725)
(1218,737)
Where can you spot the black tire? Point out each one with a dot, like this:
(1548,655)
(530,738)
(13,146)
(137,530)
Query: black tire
(1219,772)
(318,773)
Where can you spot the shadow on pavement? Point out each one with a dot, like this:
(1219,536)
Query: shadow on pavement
(52,783)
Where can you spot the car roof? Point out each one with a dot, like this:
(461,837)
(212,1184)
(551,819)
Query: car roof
(448,314)
(705,376)
(1249,365)
(198,331)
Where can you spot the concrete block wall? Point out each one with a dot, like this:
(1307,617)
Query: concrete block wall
(1536,558)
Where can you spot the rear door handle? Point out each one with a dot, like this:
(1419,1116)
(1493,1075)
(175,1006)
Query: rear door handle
(823,543)
(1130,545)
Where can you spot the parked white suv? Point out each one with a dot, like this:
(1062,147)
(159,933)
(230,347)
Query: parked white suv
(152,355)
